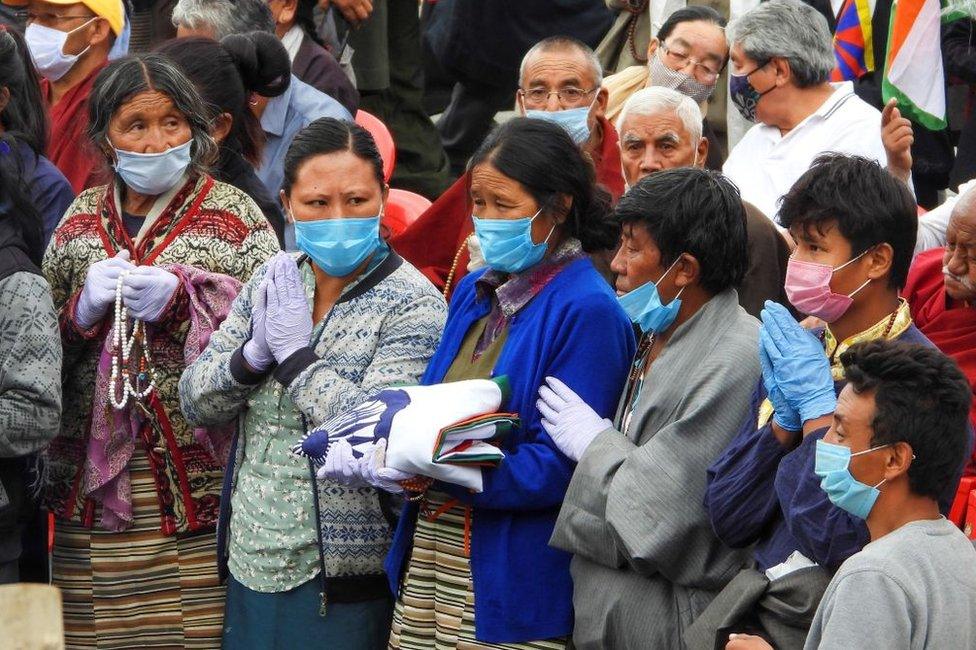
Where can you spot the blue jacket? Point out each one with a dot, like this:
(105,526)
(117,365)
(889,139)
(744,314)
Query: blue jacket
(575,330)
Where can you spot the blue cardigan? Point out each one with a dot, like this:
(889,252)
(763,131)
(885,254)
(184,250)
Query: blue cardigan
(575,330)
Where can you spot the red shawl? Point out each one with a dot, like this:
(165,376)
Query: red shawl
(69,148)
(951,327)
(434,243)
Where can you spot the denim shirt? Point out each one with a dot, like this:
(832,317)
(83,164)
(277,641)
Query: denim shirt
(283,118)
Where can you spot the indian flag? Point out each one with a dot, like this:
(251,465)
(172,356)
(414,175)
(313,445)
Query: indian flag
(913,66)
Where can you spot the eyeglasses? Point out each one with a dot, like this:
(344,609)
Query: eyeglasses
(678,60)
(567,96)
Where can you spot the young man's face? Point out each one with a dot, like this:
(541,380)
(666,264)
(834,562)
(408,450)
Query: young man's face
(824,244)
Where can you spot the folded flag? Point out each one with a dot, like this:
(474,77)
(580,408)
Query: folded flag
(441,431)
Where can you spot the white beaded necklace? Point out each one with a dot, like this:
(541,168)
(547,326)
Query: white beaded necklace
(122,344)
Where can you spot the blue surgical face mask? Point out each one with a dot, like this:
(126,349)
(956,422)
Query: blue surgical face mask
(644,307)
(575,121)
(507,243)
(153,173)
(832,465)
(339,246)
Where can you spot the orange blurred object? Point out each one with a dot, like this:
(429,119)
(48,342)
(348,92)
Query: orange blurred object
(402,209)
(383,138)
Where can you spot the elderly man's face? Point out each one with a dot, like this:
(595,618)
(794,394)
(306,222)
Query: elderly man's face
(148,123)
(959,260)
(557,80)
(650,143)
(696,47)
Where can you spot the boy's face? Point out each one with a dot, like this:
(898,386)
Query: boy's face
(824,244)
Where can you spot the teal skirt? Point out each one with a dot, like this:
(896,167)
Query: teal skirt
(291,619)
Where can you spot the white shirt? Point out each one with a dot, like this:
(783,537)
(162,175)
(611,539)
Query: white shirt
(765,164)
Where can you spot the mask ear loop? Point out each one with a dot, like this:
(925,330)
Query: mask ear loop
(551,230)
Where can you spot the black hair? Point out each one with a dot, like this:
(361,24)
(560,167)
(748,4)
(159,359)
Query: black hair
(694,211)
(25,116)
(870,207)
(922,398)
(16,203)
(691,14)
(328,135)
(545,160)
(226,73)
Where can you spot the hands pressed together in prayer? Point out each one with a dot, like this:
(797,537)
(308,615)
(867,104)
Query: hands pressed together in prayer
(146,290)
(281,320)
(795,371)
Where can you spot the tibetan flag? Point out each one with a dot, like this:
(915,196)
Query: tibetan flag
(913,72)
(853,47)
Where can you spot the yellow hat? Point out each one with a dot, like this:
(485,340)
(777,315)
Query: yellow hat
(110,10)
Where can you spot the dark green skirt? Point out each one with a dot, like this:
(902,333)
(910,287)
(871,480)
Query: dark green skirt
(291,619)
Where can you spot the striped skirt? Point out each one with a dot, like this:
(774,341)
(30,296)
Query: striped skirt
(138,588)
(435,609)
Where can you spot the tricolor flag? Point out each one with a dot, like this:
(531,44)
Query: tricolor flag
(853,47)
(913,72)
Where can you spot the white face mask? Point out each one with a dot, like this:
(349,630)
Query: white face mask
(46,46)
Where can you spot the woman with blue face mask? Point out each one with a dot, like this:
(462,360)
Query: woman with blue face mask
(312,334)
(482,561)
(142,270)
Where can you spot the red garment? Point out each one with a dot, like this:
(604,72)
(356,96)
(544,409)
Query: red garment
(435,241)
(951,327)
(608,170)
(69,148)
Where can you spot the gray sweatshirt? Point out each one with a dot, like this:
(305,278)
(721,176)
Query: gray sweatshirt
(913,588)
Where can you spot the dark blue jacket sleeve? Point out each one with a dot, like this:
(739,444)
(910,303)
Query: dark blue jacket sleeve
(52,195)
(740,497)
(824,533)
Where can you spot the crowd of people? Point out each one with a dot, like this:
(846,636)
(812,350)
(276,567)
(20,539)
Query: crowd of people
(739,370)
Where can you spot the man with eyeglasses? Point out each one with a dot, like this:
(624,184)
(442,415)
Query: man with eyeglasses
(782,56)
(688,55)
(70,43)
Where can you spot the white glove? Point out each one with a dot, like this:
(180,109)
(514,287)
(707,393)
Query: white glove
(98,294)
(568,420)
(376,473)
(146,292)
(476,258)
(340,466)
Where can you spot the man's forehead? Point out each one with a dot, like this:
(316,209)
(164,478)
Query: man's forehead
(54,7)
(557,68)
(964,212)
(654,126)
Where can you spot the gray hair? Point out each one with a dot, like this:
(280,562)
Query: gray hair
(224,17)
(791,30)
(566,44)
(125,78)
(657,99)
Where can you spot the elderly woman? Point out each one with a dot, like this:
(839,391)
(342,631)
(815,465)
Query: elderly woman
(476,570)
(142,270)
(782,55)
(227,74)
(311,335)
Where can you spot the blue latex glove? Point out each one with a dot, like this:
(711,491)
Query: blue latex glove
(147,290)
(568,420)
(799,366)
(288,323)
(783,413)
(98,294)
(256,351)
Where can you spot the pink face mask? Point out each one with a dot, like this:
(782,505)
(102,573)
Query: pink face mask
(808,288)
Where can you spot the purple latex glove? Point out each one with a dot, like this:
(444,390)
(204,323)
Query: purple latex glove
(288,324)
(256,351)
(372,467)
(341,466)
(568,420)
(98,294)
(147,290)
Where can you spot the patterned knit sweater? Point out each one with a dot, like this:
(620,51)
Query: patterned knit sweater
(381,332)
(206,224)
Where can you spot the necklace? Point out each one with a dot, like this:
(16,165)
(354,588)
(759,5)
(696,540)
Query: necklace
(125,381)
